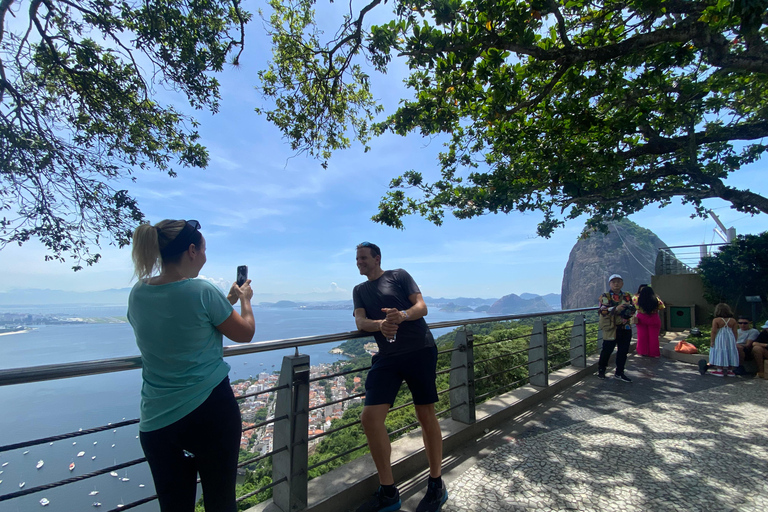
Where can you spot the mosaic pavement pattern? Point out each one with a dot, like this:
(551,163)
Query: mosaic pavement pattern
(701,451)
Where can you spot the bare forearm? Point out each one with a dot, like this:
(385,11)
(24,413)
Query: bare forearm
(246,312)
(368,324)
(415,312)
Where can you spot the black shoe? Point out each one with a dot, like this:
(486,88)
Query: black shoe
(622,377)
(434,499)
(740,370)
(703,366)
(601,375)
(381,503)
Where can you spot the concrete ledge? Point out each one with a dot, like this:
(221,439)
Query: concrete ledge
(668,351)
(345,487)
(668,343)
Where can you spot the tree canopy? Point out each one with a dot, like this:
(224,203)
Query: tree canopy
(567,107)
(77,111)
(739,269)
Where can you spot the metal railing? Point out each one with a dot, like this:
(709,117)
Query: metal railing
(683,260)
(520,359)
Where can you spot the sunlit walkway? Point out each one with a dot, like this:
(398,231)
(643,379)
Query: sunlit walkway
(670,440)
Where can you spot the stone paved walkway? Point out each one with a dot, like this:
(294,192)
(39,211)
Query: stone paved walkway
(670,441)
(704,451)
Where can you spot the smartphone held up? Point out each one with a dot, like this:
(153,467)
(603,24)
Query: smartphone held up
(242,274)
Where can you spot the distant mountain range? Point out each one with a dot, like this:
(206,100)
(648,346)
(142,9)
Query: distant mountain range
(526,303)
(23,297)
(507,305)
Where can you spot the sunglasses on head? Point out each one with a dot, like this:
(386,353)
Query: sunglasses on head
(180,244)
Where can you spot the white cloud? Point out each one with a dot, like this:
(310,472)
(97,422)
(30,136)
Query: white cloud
(332,291)
(222,283)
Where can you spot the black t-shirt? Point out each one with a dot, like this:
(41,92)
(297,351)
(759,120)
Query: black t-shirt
(762,337)
(392,290)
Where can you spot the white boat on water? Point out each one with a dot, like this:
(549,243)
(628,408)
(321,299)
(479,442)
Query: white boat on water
(39,464)
(141,486)
(25,452)
(93,458)
(5,464)
(96,504)
(71,466)
(22,484)
(44,501)
(80,454)
(113,473)
(93,493)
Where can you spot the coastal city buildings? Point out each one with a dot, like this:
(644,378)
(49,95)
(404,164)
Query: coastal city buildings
(258,407)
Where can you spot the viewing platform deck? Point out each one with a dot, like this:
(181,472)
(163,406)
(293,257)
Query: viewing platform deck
(547,435)
(672,440)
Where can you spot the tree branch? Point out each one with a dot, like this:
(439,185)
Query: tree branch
(661,146)
(560,24)
(356,35)
(544,92)
(5,6)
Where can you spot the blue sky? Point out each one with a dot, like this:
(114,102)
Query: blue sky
(296,225)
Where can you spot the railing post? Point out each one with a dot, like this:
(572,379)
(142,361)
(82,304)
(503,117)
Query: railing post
(579,342)
(463,376)
(291,432)
(538,367)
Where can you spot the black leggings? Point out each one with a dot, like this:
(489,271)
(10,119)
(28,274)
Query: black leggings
(211,436)
(622,341)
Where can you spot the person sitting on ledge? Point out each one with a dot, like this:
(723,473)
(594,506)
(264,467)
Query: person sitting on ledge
(747,335)
(760,351)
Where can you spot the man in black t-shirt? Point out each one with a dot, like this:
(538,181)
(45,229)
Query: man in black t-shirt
(389,305)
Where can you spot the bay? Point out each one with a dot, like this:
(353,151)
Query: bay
(42,409)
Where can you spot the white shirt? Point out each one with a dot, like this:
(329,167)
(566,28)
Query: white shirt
(748,335)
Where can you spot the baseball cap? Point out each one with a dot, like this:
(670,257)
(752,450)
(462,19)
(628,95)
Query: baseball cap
(615,276)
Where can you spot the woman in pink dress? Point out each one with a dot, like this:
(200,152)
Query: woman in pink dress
(648,322)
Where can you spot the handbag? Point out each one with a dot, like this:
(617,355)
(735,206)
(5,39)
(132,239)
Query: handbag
(686,348)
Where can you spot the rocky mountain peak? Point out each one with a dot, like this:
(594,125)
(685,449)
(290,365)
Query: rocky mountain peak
(628,250)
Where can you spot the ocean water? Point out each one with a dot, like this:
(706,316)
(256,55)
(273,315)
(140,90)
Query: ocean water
(42,409)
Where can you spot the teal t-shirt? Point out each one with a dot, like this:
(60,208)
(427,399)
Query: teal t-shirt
(181,349)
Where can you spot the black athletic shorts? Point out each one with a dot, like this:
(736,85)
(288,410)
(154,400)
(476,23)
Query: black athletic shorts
(416,368)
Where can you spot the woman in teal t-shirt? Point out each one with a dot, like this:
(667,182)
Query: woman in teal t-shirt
(190,421)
